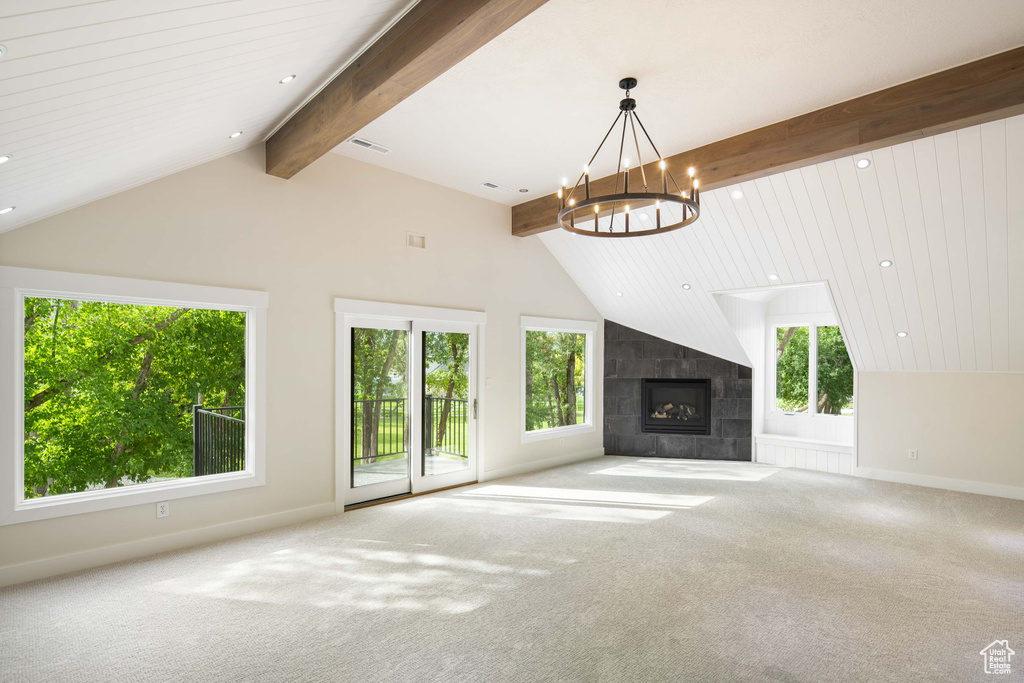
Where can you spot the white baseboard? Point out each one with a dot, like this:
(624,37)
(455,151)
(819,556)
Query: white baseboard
(965,485)
(62,564)
(542,464)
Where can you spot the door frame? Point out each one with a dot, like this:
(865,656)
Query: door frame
(349,311)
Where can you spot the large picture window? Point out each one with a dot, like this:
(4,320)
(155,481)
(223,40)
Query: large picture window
(557,377)
(126,387)
(813,371)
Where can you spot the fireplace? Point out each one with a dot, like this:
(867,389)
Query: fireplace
(676,406)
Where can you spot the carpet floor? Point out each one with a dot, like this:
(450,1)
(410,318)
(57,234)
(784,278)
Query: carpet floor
(612,569)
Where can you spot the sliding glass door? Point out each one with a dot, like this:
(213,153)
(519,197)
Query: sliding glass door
(379,407)
(411,404)
(446,426)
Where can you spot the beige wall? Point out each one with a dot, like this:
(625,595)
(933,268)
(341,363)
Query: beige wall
(336,230)
(965,426)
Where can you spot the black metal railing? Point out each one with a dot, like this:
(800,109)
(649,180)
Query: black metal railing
(218,440)
(387,439)
(446,426)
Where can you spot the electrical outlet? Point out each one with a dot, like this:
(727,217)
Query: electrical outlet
(912,454)
(163,509)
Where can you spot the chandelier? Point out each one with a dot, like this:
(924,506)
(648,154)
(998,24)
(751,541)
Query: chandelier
(656,204)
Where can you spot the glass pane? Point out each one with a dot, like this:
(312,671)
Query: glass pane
(380,425)
(124,394)
(555,363)
(835,373)
(446,408)
(792,354)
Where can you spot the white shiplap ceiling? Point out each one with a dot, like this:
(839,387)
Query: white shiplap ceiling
(948,210)
(96,97)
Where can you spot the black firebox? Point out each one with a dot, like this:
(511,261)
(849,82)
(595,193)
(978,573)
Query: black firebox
(676,406)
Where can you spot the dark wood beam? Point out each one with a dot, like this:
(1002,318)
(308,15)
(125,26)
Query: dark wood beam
(985,90)
(432,37)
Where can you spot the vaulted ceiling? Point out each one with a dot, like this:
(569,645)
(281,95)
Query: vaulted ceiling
(530,107)
(96,97)
(947,210)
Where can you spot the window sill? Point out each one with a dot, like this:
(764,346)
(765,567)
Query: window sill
(141,494)
(556,433)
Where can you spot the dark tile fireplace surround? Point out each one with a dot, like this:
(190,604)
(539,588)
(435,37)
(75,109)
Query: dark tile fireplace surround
(678,424)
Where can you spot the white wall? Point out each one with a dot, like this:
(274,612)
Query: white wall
(966,426)
(337,229)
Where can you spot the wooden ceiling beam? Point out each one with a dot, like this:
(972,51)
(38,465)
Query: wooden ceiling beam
(981,91)
(432,37)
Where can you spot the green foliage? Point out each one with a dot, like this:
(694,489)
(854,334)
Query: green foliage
(109,389)
(791,370)
(378,363)
(447,356)
(835,373)
(555,363)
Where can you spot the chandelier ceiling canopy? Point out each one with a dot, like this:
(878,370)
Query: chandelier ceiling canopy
(656,203)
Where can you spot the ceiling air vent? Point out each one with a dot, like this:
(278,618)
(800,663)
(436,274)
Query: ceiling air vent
(493,186)
(366,144)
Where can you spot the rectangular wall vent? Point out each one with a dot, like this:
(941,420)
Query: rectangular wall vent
(416,241)
(366,144)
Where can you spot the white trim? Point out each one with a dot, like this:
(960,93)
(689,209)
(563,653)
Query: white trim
(16,284)
(964,485)
(800,442)
(559,325)
(544,464)
(406,312)
(87,559)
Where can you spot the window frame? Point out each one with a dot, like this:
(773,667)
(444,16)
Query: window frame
(558,325)
(18,283)
(812,323)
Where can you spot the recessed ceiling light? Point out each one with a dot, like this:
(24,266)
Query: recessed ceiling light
(863,163)
(236,134)
(7,209)
(686,286)
(286,79)
(737,194)
(773,277)
(886,263)
(618,293)
(901,334)
(4,158)
(523,190)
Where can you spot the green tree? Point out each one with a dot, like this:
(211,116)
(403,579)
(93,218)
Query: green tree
(378,372)
(835,372)
(109,389)
(447,375)
(792,355)
(554,378)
